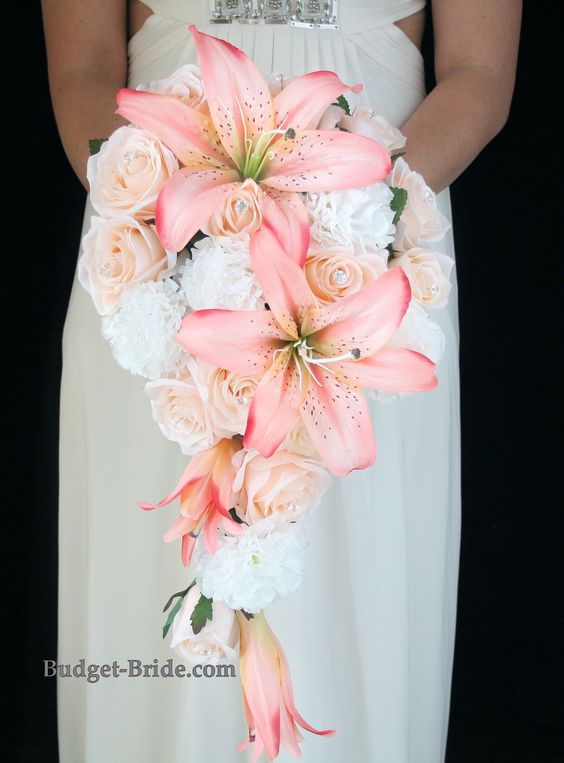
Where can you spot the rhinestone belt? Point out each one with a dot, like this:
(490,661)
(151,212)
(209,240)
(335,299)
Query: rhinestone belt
(308,14)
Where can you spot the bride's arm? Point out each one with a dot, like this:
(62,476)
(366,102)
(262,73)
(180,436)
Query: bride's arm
(476,43)
(87,58)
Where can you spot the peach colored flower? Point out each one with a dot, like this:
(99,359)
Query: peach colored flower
(428,272)
(217,639)
(299,442)
(331,118)
(239,215)
(332,273)
(182,411)
(364,122)
(119,254)
(128,173)
(285,483)
(229,398)
(185,84)
(420,220)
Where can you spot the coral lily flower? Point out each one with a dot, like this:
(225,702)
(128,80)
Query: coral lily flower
(314,360)
(205,498)
(268,697)
(249,134)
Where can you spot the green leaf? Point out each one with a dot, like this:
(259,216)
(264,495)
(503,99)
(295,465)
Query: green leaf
(95,144)
(233,514)
(172,614)
(397,156)
(182,594)
(398,203)
(202,612)
(343,103)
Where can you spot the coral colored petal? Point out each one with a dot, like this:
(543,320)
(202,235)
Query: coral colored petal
(392,370)
(237,94)
(188,133)
(364,320)
(181,526)
(188,200)
(325,160)
(282,280)
(239,340)
(188,546)
(302,102)
(338,421)
(288,215)
(288,694)
(274,408)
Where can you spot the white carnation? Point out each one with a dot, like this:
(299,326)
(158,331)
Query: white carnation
(251,570)
(419,333)
(220,275)
(143,332)
(357,219)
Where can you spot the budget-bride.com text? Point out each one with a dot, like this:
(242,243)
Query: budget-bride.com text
(93,672)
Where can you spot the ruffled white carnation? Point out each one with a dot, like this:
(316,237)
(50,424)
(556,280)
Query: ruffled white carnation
(418,332)
(251,570)
(357,219)
(220,275)
(143,332)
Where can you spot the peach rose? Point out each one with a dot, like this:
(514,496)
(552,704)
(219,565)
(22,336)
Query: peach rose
(428,272)
(217,639)
(332,274)
(181,409)
(420,220)
(299,442)
(185,85)
(286,484)
(117,255)
(128,173)
(364,122)
(239,215)
(331,118)
(277,81)
(229,398)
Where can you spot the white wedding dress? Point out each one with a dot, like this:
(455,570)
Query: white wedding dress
(370,634)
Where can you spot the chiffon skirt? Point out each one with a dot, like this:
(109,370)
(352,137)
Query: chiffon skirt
(370,634)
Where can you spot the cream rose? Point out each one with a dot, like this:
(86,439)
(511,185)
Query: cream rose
(181,409)
(239,215)
(185,85)
(299,442)
(229,398)
(364,122)
(118,254)
(128,173)
(217,639)
(331,118)
(286,484)
(428,272)
(277,81)
(420,220)
(333,274)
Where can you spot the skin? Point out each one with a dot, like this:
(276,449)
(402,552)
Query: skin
(476,45)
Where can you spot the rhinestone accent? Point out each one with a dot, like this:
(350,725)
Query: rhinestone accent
(104,270)
(428,196)
(307,14)
(241,206)
(242,399)
(339,276)
(434,289)
(127,157)
(293,508)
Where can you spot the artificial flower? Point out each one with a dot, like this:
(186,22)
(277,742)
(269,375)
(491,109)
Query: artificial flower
(185,84)
(429,275)
(333,274)
(365,122)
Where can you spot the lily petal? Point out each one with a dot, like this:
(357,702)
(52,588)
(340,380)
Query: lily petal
(237,94)
(325,160)
(392,369)
(281,278)
(187,200)
(242,341)
(275,406)
(288,214)
(338,421)
(188,133)
(364,320)
(302,102)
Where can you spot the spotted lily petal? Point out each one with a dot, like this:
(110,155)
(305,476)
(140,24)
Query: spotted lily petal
(325,160)
(302,102)
(237,94)
(392,369)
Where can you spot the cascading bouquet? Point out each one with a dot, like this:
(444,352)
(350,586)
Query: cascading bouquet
(261,257)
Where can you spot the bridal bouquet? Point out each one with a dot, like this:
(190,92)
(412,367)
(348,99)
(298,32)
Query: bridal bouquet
(261,255)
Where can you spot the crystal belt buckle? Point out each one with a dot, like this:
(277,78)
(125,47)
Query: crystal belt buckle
(306,14)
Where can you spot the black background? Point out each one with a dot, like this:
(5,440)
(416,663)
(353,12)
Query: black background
(506,703)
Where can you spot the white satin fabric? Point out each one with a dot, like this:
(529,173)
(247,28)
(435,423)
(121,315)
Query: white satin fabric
(370,634)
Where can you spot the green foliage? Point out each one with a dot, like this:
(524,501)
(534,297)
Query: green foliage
(398,203)
(202,612)
(95,145)
(174,611)
(343,103)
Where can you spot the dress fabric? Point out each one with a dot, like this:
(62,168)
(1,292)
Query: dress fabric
(370,634)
